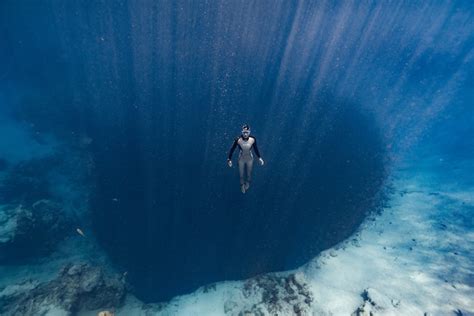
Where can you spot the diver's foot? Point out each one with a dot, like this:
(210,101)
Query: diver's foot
(247,185)
(242,188)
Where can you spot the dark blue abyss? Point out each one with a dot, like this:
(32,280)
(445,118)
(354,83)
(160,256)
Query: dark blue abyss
(163,88)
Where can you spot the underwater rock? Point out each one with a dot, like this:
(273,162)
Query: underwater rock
(288,295)
(27,181)
(229,306)
(29,232)
(77,287)
(376,302)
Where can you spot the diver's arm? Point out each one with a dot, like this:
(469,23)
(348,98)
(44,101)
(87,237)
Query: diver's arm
(231,152)
(255,148)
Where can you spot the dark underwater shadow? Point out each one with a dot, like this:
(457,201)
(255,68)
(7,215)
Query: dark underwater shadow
(176,223)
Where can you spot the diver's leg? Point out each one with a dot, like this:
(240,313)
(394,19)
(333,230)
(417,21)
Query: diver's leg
(241,174)
(249,173)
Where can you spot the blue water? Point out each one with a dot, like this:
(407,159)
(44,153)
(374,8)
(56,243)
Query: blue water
(154,93)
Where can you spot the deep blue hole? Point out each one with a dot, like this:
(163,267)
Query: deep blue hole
(176,224)
(165,206)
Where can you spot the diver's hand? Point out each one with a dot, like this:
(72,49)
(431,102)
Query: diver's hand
(261,161)
(229,162)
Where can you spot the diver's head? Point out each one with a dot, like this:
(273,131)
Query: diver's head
(246,131)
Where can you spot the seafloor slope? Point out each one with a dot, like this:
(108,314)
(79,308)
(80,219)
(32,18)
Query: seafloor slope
(415,258)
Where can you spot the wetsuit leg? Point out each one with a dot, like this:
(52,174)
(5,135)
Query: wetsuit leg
(249,170)
(242,170)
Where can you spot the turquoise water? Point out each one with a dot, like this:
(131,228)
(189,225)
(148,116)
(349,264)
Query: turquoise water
(121,114)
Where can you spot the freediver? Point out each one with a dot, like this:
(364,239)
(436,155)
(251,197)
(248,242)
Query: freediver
(245,143)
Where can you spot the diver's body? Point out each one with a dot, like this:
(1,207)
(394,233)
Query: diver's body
(246,143)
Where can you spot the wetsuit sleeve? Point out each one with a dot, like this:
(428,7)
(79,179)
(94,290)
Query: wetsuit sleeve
(234,145)
(255,148)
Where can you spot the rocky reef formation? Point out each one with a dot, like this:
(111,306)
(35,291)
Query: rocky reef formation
(276,295)
(27,181)
(40,199)
(77,287)
(376,303)
(26,232)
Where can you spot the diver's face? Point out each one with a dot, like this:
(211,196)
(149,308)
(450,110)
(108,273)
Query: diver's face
(246,133)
